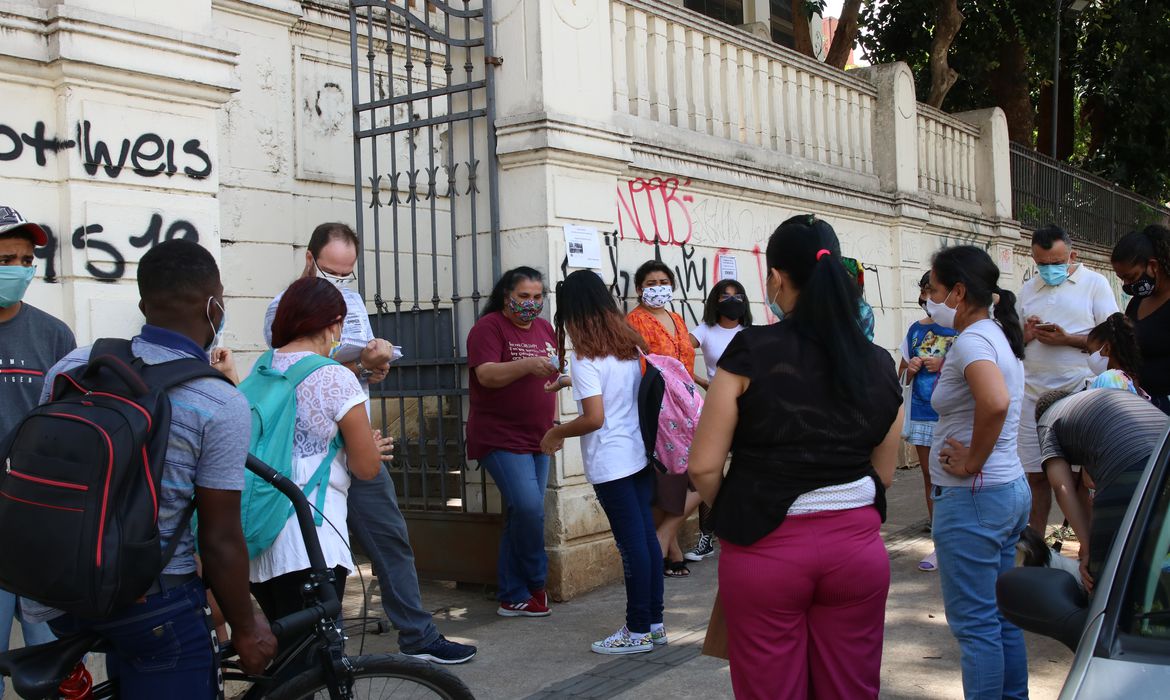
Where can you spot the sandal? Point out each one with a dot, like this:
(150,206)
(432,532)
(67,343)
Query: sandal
(675,569)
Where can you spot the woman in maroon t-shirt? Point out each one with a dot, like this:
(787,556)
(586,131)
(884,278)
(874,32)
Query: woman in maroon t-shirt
(512,355)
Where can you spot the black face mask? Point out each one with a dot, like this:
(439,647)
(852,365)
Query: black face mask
(732,308)
(1142,288)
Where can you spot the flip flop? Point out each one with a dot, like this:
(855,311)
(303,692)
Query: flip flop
(930,563)
(675,569)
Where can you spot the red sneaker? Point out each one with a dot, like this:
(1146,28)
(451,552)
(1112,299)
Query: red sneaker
(540,595)
(529,608)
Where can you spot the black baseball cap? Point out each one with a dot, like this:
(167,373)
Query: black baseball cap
(11,222)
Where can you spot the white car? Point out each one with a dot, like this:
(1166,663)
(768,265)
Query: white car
(1121,635)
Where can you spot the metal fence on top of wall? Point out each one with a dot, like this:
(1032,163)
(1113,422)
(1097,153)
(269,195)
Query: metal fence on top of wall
(1093,210)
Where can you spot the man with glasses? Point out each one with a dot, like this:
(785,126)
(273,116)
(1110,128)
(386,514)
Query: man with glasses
(374,516)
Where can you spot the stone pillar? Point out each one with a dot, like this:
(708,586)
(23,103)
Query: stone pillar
(896,124)
(109,129)
(757,19)
(993,171)
(558,144)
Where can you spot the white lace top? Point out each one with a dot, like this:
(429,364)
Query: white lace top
(322,400)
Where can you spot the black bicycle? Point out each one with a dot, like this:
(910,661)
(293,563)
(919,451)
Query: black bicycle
(316,634)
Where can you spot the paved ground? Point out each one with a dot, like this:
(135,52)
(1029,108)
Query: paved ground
(547,658)
(550,657)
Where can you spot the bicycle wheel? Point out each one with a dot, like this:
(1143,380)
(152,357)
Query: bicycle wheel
(381,677)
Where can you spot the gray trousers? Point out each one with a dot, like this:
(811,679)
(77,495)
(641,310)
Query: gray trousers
(378,525)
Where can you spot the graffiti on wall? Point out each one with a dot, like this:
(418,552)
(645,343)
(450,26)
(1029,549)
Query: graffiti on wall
(655,211)
(146,154)
(109,263)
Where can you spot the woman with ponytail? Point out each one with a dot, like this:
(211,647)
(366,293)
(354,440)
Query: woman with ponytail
(809,410)
(981,497)
(1114,356)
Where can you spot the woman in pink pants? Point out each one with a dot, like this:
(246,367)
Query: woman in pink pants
(809,410)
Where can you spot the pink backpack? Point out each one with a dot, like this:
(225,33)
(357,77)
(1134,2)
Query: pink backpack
(669,405)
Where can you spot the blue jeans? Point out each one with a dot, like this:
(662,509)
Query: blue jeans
(33,632)
(522,480)
(378,525)
(626,503)
(162,647)
(975,535)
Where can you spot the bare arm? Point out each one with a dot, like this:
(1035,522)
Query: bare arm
(713,436)
(591,419)
(496,375)
(364,450)
(885,456)
(1064,487)
(225,568)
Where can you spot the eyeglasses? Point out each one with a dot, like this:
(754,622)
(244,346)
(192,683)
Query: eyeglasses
(725,297)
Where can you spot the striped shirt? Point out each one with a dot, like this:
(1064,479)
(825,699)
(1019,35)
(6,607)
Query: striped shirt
(1104,430)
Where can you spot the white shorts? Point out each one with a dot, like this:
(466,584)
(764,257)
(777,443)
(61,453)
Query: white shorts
(1028,440)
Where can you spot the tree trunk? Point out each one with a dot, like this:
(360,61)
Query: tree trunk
(1013,93)
(845,36)
(801,37)
(947,20)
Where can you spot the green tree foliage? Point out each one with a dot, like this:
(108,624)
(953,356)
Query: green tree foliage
(1004,56)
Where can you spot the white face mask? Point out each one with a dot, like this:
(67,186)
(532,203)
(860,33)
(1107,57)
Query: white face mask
(657,297)
(1098,364)
(341,282)
(941,314)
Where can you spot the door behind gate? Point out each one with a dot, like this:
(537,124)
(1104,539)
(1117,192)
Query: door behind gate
(426,204)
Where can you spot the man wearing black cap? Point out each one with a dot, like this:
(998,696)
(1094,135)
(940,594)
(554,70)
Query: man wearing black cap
(31,341)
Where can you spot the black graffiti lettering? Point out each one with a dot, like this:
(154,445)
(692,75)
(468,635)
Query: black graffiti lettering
(48,253)
(194,148)
(41,143)
(171,169)
(98,155)
(17,144)
(154,235)
(878,283)
(140,153)
(82,240)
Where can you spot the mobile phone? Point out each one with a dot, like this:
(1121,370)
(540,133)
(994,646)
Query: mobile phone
(1046,326)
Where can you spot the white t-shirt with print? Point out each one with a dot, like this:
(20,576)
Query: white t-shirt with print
(323,399)
(713,340)
(615,450)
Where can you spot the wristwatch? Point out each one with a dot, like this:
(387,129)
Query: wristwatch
(363,373)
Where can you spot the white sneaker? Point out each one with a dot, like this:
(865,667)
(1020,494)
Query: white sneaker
(658,636)
(621,642)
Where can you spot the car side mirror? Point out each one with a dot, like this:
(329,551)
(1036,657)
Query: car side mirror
(1045,601)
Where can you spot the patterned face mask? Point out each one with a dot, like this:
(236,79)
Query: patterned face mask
(525,310)
(657,297)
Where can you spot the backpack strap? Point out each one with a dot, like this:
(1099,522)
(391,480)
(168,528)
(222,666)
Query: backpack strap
(162,376)
(302,368)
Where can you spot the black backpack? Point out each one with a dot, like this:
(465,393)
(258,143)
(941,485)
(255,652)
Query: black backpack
(80,487)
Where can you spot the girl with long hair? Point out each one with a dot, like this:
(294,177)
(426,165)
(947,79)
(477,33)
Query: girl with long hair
(330,401)
(606,370)
(1141,260)
(981,497)
(808,408)
(512,355)
(1114,355)
(726,313)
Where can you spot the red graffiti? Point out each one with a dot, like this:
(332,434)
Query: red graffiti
(656,210)
(761,268)
(715,270)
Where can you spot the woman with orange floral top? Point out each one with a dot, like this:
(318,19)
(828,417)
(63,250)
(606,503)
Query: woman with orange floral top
(666,333)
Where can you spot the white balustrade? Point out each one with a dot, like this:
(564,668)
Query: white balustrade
(946,155)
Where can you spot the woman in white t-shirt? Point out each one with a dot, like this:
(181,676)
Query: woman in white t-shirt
(981,498)
(606,370)
(329,401)
(726,313)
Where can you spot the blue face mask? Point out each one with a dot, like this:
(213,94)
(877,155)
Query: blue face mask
(14,281)
(776,311)
(1053,274)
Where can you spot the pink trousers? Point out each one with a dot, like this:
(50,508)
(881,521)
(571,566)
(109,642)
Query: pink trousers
(805,608)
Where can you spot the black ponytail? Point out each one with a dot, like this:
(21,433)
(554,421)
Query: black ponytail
(979,274)
(506,284)
(1119,332)
(808,251)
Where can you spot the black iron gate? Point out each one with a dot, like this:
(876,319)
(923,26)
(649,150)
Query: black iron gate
(427,207)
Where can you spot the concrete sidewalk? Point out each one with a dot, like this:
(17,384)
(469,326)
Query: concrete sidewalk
(550,657)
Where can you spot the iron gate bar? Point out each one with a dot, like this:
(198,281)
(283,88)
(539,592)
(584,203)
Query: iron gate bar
(435,447)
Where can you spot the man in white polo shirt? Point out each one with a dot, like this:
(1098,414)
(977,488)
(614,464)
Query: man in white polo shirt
(1059,306)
